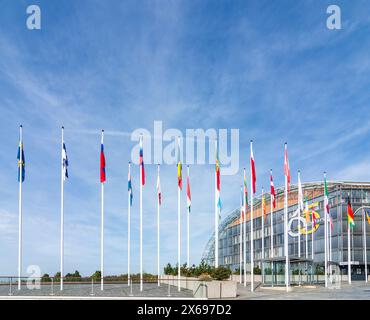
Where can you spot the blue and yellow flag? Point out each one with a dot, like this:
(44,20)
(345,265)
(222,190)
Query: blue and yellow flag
(21,163)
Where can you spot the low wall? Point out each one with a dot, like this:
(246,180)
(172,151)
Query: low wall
(204,289)
(280,278)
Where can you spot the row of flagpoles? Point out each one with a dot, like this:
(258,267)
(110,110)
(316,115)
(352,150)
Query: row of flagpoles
(301,209)
(244,206)
(64,176)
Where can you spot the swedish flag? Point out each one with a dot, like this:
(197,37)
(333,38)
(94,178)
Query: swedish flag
(21,163)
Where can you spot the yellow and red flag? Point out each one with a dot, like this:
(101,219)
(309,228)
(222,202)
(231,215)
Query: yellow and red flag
(350,215)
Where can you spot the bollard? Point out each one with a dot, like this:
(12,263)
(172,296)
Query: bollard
(52,287)
(130,288)
(169,290)
(92,287)
(10,287)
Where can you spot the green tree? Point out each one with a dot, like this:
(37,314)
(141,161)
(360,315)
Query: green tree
(76,275)
(96,275)
(168,270)
(45,278)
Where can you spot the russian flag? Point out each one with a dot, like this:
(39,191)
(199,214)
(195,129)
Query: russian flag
(102,159)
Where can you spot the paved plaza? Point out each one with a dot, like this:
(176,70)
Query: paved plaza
(150,290)
(359,290)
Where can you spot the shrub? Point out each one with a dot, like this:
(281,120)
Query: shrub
(221,273)
(45,278)
(205,277)
(257,270)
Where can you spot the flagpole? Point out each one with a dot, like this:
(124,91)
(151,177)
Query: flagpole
(178,223)
(20,206)
(129,229)
(299,213)
(241,235)
(286,230)
(141,219)
(216,216)
(349,254)
(306,247)
(312,234)
(158,235)
(62,218)
(244,227)
(188,229)
(252,244)
(271,227)
(364,241)
(102,229)
(263,237)
(326,239)
(272,232)
(330,235)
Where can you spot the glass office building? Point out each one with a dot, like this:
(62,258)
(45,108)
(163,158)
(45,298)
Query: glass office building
(339,192)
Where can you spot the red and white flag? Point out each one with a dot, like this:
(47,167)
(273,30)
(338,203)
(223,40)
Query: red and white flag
(188,195)
(253,170)
(272,190)
(286,167)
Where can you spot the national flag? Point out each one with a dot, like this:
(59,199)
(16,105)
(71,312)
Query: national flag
(326,202)
(286,167)
(264,206)
(188,194)
(326,196)
(272,190)
(129,185)
(245,190)
(350,215)
(300,193)
(102,160)
(313,217)
(21,162)
(242,203)
(179,166)
(253,170)
(64,162)
(141,162)
(306,211)
(159,193)
(218,179)
(368,217)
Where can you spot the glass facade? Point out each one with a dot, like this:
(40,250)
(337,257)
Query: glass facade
(359,194)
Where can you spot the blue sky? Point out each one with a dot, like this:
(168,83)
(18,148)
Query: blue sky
(269,68)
